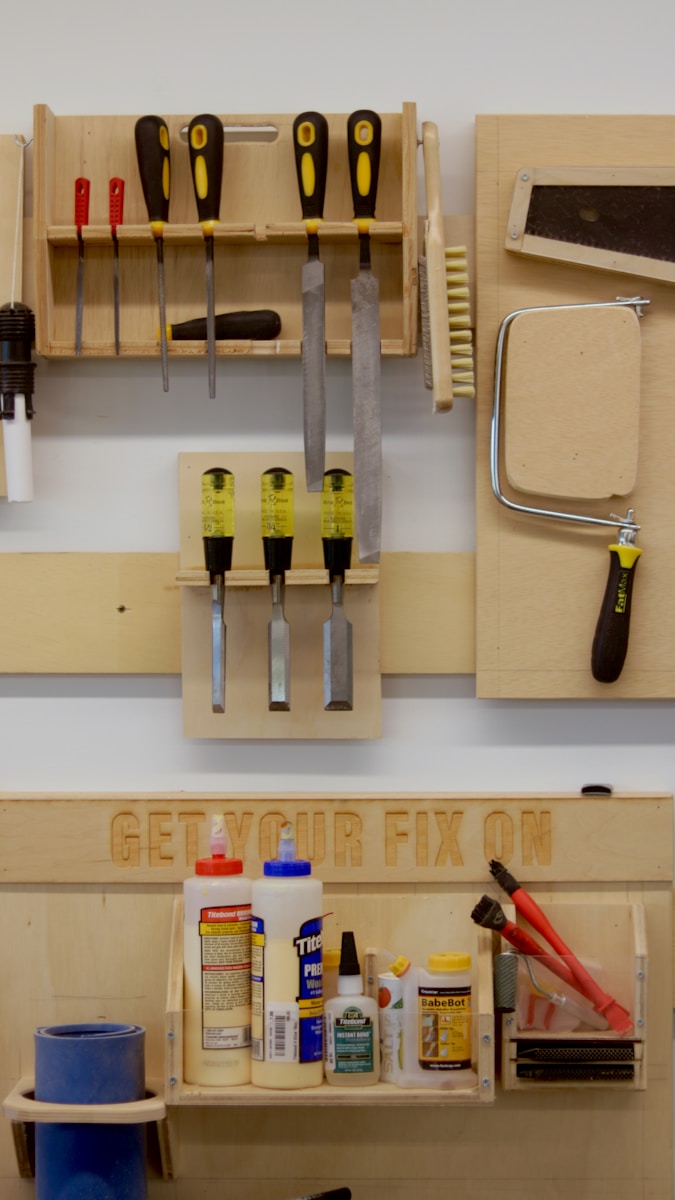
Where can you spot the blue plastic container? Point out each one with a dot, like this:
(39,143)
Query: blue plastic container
(90,1064)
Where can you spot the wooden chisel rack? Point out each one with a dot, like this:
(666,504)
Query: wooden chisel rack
(260,242)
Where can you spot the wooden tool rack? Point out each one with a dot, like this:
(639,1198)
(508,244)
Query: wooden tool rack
(260,242)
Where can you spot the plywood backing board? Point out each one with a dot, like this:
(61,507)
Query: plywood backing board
(540,583)
(88,883)
(120,614)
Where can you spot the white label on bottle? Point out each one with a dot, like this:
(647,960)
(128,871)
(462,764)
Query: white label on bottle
(283,1032)
(224,935)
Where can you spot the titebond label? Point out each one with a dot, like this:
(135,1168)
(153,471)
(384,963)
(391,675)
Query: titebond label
(224,933)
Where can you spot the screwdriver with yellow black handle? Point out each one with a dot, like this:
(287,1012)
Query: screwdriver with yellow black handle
(610,643)
(154,165)
(277,533)
(337,526)
(205,141)
(218,538)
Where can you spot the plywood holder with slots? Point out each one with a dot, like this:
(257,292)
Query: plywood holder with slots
(260,242)
(248,609)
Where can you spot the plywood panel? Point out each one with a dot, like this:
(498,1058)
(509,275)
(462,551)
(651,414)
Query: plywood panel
(84,948)
(540,582)
(120,614)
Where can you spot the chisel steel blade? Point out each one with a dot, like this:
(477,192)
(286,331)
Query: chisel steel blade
(161,296)
(218,634)
(314,373)
(338,689)
(367,414)
(279,649)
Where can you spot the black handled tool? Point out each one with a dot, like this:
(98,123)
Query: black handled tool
(154,165)
(364,138)
(337,526)
(218,538)
(310,140)
(610,643)
(257,324)
(205,140)
(277,532)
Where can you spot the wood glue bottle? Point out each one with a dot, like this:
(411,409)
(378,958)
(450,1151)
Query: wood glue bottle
(286,972)
(351,1026)
(217,968)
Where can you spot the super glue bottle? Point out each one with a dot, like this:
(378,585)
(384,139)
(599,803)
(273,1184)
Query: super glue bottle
(217,968)
(350,1023)
(286,972)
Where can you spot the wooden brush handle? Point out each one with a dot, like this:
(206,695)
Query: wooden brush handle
(434,249)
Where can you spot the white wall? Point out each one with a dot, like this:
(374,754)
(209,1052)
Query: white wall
(106,438)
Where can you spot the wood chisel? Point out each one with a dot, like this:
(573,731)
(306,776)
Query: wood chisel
(277,532)
(364,137)
(115,218)
(310,139)
(205,140)
(337,527)
(82,189)
(154,165)
(218,537)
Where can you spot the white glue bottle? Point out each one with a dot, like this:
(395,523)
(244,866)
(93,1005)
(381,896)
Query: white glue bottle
(437,1022)
(217,968)
(286,972)
(352,1047)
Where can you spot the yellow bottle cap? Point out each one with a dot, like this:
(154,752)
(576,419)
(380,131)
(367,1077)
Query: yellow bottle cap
(450,961)
(331,957)
(400,965)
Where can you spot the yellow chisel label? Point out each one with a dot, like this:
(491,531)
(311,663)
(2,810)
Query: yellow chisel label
(277,504)
(337,506)
(217,504)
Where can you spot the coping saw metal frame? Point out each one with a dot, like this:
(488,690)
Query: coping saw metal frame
(626,524)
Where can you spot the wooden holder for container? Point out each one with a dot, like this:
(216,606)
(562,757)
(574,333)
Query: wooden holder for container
(248,611)
(614,936)
(260,242)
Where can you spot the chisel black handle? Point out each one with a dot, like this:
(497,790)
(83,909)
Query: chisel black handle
(310,141)
(259,324)
(154,165)
(364,142)
(205,141)
(610,642)
(337,521)
(277,519)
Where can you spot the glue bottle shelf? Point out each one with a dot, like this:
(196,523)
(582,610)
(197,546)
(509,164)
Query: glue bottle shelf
(260,244)
(178,1092)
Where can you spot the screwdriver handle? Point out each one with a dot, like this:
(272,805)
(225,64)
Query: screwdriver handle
(258,324)
(337,521)
(205,140)
(310,141)
(82,190)
(154,165)
(364,142)
(277,519)
(115,203)
(610,642)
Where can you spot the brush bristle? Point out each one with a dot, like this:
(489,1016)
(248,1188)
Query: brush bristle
(459,322)
(504,878)
(489,913)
